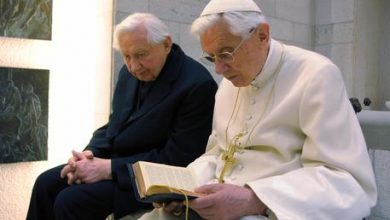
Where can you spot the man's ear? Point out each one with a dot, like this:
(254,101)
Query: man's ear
(168,44)
(262,32)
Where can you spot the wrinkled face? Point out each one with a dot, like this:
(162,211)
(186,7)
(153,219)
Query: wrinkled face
(249,56)
(143,60)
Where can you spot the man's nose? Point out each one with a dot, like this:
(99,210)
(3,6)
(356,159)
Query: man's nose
(220,67)
(134,65)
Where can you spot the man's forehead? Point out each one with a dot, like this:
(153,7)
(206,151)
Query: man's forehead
(217,38)
(134,41)
(136,48)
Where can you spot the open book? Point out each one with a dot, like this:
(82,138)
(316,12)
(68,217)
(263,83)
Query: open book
(162,183)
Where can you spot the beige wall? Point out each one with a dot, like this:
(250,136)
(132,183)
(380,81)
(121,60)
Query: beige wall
(371,52)
(383,89)
(78,57)
(354,34)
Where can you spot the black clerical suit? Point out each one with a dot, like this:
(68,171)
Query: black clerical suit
(166,121)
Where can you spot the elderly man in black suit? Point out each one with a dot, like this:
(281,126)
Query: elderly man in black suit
(162,112)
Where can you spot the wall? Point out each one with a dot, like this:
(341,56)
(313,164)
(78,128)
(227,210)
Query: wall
(353,33)
(79,60)
(384,64)
(291,21)
(368,43)
(334,35)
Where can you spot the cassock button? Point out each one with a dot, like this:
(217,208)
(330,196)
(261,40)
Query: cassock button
(252,102)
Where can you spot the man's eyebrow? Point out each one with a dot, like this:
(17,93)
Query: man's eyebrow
(225,48)
(140,51)
(224,45)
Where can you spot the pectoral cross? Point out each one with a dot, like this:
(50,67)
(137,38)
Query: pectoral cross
(228,155)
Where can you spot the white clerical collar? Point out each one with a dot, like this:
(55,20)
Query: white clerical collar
(271,65)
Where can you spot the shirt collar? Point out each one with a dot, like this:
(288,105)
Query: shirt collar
(271,64)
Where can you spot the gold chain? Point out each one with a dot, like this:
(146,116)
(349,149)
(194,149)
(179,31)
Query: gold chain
(228,154)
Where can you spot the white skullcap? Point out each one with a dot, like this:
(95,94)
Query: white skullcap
(220,6)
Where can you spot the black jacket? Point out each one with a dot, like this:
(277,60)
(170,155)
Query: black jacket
(173,124)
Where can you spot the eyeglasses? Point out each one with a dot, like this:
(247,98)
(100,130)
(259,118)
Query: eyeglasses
(225,57)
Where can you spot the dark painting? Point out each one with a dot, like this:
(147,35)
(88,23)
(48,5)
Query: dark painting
(23,114)
(26,18)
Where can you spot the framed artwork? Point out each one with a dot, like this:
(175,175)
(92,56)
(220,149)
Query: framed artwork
(30,19)
(23,114)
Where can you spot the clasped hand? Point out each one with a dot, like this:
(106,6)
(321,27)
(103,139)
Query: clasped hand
(223,201)
(83,167)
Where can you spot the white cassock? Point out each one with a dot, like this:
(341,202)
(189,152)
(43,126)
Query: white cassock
(301,148)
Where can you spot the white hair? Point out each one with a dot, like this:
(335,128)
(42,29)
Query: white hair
(240,22)
(156,30)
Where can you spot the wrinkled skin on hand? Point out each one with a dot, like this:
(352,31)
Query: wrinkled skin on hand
(227,202)
(222,202)
(84,167)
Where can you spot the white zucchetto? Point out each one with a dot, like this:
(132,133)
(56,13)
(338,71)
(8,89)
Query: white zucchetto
(220,6)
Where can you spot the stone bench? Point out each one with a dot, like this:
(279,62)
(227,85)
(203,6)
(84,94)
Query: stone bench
(376,129)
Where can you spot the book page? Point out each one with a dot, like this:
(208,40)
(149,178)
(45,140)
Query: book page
(176,177)
(139,182)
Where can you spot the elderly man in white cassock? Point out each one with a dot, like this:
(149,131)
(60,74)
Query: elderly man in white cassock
(286,143)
